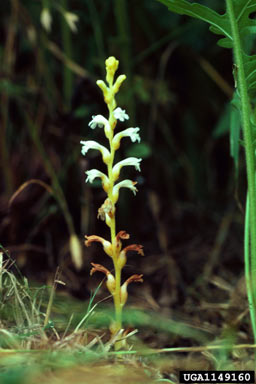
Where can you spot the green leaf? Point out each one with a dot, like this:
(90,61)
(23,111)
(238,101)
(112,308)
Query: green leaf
(220,25)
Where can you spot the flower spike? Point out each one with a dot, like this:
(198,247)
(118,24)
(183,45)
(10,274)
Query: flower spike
(111,186)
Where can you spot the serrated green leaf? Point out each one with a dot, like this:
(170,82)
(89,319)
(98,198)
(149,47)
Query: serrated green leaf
(220,25)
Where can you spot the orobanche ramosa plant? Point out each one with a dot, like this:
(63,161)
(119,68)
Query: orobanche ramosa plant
(110,184)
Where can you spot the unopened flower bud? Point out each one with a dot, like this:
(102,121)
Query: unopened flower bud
(101,84)
(111,67)
(118,83)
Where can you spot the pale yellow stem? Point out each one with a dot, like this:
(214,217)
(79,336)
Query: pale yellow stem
(116,295)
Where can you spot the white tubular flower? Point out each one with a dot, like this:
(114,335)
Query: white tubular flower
(129,132)
(100,121)
(120,114)
(123,184)
(46,19)
(93,174)
(71,20)
(133,161)
(90,144)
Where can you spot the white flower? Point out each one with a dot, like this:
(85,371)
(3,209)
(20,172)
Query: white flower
(90,144)
(93,173)
(120,114)
(123,184)
(129,132)
(46,19)
(71,20)
(129,161)
(100,121)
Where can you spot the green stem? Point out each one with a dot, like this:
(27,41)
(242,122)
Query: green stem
(247,262)
(249,150)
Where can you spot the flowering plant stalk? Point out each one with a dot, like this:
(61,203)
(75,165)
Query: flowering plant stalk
(107,212)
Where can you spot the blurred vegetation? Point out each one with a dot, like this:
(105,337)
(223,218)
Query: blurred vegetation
(187,211)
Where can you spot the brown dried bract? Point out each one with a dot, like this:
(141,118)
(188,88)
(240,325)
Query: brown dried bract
(107,208)
(134,279)
(99,268)
(122,235)
(134,247)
